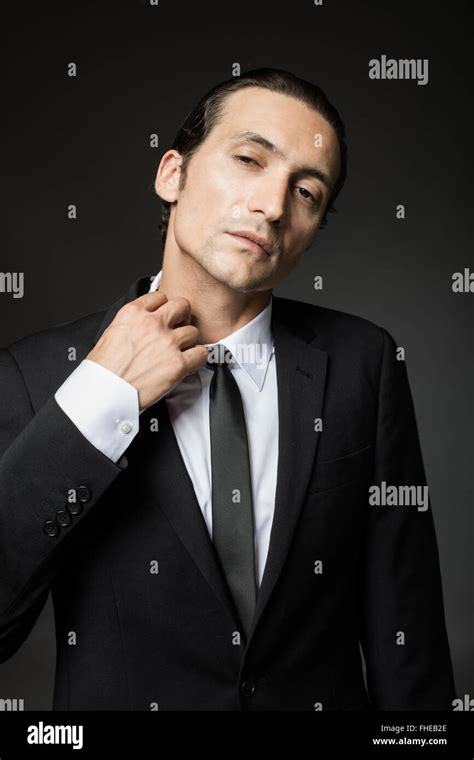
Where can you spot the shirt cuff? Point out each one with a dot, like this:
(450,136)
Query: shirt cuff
(102,405)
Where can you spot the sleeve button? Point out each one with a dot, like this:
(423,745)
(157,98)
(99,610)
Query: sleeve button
(84,494)
(74,507)
(50,528)
(63,518)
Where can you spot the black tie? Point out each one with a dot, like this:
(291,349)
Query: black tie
(232,511)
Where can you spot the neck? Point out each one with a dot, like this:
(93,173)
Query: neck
(216,309)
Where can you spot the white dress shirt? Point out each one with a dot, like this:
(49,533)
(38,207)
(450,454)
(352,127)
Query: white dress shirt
(105,408)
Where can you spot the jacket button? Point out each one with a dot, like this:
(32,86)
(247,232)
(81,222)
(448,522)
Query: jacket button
(50,528)
(84,493)
(63,518)
(74,507)
(248,686)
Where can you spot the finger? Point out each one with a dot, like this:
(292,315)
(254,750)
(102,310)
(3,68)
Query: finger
(152,301)
(176,311)
(185,321)
(187,336)
(195,357)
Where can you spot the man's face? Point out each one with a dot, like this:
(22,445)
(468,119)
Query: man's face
(236,183)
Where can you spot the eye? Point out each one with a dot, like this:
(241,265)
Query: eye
(245,159)
(309,196)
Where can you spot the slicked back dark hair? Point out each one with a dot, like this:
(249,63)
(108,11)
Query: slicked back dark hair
(209,110)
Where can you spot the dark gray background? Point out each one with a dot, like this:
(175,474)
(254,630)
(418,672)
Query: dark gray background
(140,70)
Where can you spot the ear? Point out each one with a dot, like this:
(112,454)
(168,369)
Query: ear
(167,176)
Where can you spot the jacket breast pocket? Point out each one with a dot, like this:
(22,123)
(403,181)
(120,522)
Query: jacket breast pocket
(350,467)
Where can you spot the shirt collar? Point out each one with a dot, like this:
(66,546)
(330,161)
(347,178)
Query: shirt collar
(251,345)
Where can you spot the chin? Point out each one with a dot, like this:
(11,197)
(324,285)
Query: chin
(235,276)
(244,283)
(235,272)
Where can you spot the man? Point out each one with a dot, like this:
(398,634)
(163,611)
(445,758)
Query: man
(204,515)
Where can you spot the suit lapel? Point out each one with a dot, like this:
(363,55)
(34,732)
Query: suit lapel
(164,475)
(301,374)
(137,289)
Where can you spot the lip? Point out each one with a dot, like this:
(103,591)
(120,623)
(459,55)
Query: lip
(257,243)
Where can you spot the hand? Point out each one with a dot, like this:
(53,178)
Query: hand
(152,345)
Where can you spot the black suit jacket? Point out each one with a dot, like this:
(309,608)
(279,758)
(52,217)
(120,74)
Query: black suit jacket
(144,619)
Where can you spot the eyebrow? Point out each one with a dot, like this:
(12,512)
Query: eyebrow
(249,136)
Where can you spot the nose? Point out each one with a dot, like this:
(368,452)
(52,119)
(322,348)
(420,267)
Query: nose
(268,196)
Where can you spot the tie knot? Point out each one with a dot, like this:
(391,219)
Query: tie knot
(219,356)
